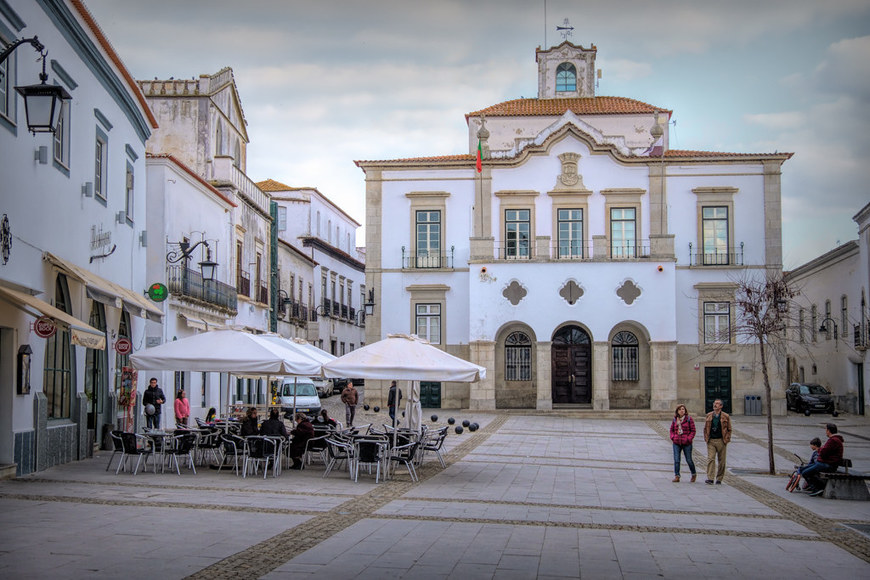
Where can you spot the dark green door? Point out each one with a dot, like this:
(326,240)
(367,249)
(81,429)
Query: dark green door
(717,385)
(430,395)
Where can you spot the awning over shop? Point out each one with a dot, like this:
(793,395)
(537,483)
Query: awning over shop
(194,322)
(81,334)
(108,292)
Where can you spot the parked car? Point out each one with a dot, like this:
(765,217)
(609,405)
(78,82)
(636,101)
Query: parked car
(323,386)
(307,400)
(808,398)
(338,385)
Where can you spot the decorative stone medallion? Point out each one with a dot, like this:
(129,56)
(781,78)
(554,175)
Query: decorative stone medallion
(629,292)
(514,292)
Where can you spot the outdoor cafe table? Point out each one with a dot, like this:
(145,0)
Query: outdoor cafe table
(159,441)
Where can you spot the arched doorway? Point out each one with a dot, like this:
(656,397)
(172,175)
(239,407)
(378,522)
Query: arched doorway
(571,366)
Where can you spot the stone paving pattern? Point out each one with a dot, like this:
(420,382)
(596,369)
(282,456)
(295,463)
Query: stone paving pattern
(561,495)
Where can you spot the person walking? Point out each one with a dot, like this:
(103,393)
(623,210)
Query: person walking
(182,409)
(717,434)
(350,397)
(394,400)
(153,396)
(682,434)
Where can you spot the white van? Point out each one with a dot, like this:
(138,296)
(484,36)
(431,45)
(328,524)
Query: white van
(307,400)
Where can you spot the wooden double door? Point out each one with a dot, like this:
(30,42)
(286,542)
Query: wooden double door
(571,356)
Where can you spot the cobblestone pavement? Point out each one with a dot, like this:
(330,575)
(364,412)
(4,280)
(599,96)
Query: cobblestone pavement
(528,495)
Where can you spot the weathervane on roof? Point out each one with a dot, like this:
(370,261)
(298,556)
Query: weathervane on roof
(565,30)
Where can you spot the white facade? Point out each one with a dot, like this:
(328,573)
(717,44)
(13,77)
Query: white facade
(586,264)
(333,293)
(833,294)
(73,241)
(202,194)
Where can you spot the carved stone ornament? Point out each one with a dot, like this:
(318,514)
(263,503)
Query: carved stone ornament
(5,238)
(629,292)
(570,178)
(514,292)
(571,292)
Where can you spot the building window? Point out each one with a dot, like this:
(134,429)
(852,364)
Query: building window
(717,323)
(517,357)
(814,323)
(715,235)
(101,158)
(844,316)
(61,136)
(428,244)
(566,77)
(829,325)
(429,322)
(517,227)
(237,155)
(624,352)
(7,85)
(128,197)
(219,139)
(282,218)
(801,325)
(57,380)
(623,232)
(570,228)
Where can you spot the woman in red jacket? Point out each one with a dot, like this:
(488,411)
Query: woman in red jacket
(182,409)
(682,434)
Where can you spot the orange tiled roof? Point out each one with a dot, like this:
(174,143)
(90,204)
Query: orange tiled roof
(694,153)
(272,185)
(578,105)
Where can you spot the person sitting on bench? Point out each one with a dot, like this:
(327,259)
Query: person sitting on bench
(829,458)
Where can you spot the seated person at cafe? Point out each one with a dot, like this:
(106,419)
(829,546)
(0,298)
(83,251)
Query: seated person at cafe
(249,425)
(210,416)
(273,426)
(325,419)
(301,434)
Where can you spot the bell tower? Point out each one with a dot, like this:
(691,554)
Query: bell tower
(566,71)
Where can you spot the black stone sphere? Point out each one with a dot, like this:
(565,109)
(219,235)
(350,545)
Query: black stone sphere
(376,409)
(466,423)
(459,430)
(434,418)
(451,421)
(366,407)
(473,427)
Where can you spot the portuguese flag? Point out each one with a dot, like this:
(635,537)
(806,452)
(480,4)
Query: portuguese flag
(479,157)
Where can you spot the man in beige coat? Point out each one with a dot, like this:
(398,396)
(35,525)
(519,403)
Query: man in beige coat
(349,397)
(717,434)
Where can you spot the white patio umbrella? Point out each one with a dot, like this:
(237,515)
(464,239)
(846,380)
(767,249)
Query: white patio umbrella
(305,348)
(405,357)
(228,351)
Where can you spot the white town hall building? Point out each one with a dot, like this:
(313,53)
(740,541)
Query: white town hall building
(585,264)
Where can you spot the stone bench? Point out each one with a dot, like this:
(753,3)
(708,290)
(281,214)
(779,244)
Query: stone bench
(845,485)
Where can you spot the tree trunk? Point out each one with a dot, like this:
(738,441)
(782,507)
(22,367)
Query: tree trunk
(767,394)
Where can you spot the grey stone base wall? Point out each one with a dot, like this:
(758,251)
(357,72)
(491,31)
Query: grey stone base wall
(23,452)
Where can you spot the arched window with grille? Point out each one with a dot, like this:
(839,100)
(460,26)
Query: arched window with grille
(624,355)
(59,360)
(518,357)
(566,77)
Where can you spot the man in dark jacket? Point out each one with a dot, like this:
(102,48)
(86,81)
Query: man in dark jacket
(153,395)
(274,426)
(394,399)
(301,434)
(829,459)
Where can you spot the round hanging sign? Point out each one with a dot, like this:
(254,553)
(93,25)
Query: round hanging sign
(123,346)
(158,292)
(44,327)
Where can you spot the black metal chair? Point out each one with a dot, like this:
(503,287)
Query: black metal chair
(433,442)
(234,446)
(117,445)
(405,454)
(316,446)
(184,445)
(132,449)
(259,449)
(339,451)
(370,452)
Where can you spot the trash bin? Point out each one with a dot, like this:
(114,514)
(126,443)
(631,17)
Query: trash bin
(752,405)
(757,405)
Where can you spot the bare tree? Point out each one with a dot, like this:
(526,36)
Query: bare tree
(762,306)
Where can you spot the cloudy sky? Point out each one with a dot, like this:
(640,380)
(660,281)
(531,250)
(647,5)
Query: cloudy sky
(326,82)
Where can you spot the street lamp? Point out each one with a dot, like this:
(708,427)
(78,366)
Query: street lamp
(823,327)
(207,266)
(369,306)
(42,102)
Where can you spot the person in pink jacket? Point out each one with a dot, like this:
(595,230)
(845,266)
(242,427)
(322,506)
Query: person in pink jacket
(682,434)
(182,409)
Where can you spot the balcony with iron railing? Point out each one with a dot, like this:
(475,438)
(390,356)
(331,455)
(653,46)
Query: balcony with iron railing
(571,251)
(633,250)
(427,260)
(263,294)
(243,283)
(716,257)
(189,284)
